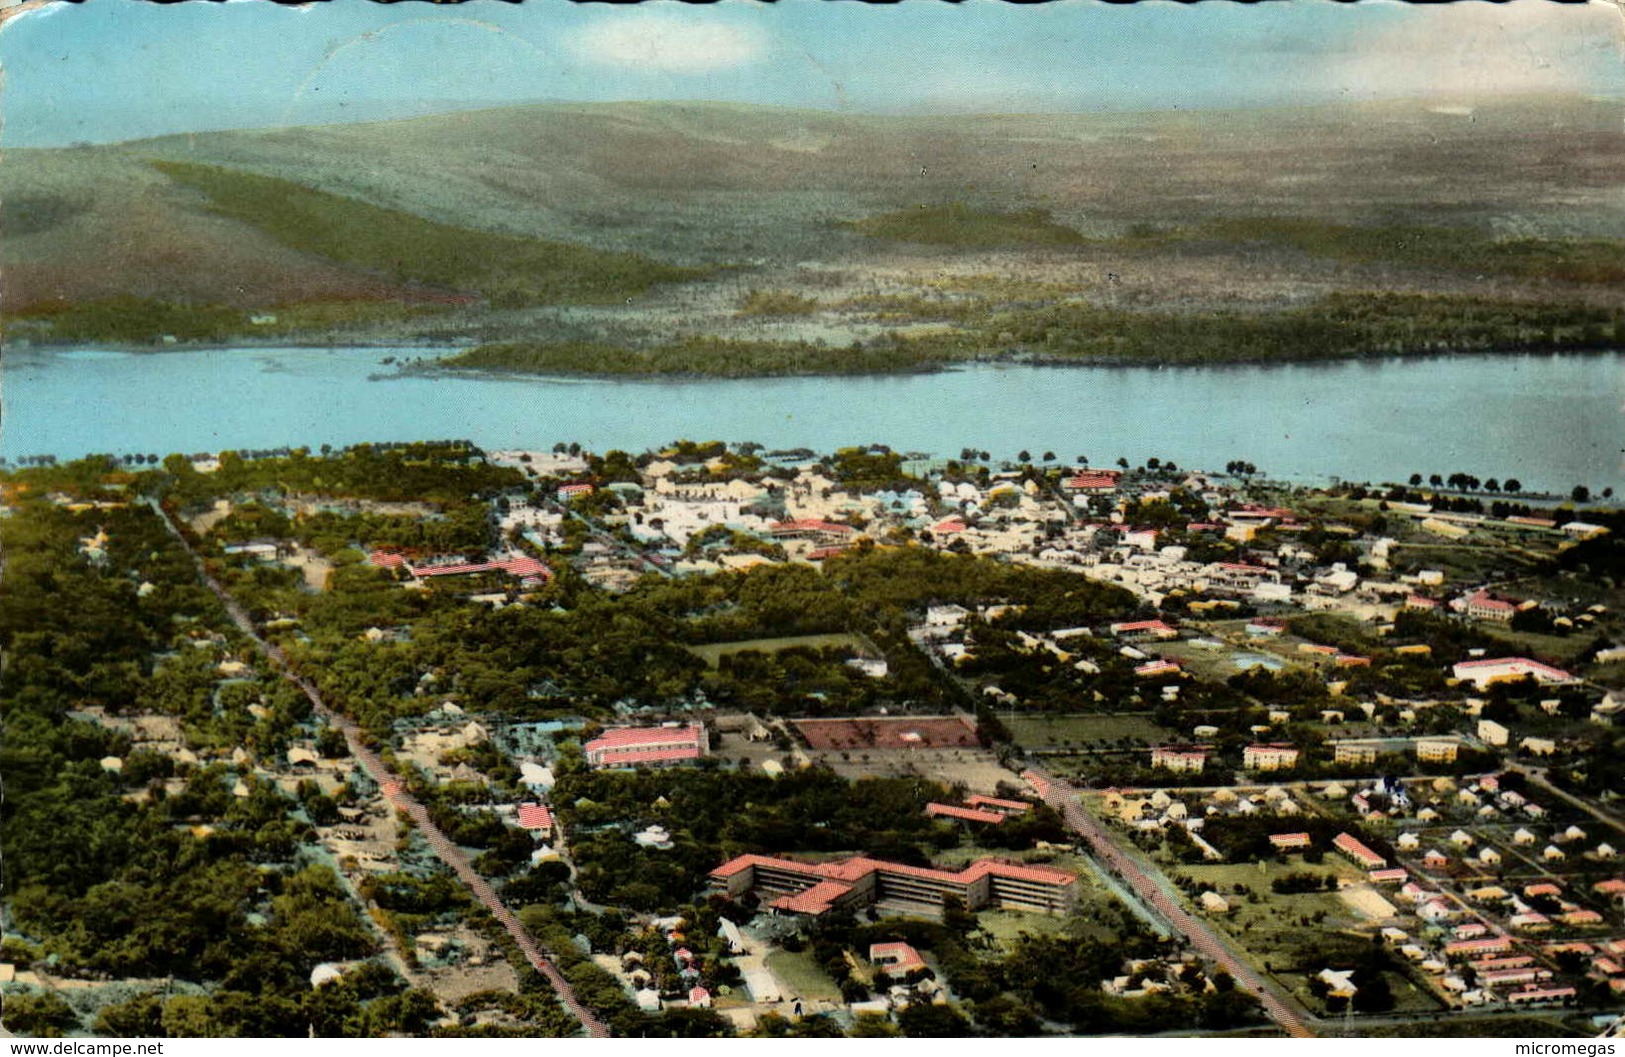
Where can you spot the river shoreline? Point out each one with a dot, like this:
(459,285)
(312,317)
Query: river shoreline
(438,368)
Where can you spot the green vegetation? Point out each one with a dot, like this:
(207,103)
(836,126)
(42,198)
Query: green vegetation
(712,653)
(1337,326)
(709,356)
(191,880)
(715,815)
(777,303)
(134,320)
(803,976)
(965,227)
(507,270)
(1049,732)
(1454,249)
(149,321)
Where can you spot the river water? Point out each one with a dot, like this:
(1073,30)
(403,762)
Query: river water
(1550,421)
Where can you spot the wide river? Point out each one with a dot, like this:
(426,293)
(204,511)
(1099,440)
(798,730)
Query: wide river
(1550,421)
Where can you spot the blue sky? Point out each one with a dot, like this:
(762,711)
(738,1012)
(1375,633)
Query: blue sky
(110,70)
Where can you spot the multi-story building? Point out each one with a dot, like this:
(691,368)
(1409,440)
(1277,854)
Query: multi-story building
(1274,757)
(1436,750)
(817,888)
(1354,752)
(1180,760)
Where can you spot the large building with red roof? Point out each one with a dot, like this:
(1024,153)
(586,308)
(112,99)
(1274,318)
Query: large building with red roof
(791,887)
(1092,481)
(647,746)
(1493,670)
(814,529)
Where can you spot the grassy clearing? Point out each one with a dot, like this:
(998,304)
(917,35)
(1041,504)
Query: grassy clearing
(507,270)
(1460,1027)
(1454,249)
(712,653)
(1050,732)
(777,303)
(1275,920)
(1007,926)
(964,227)
(802,977)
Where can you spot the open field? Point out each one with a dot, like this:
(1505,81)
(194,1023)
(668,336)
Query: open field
(926,732)
(800,976)
(712,653)
(1053,732)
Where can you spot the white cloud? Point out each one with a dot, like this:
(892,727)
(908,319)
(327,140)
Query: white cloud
(669,43)
(1477,48)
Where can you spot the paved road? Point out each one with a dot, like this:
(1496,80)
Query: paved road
(1537,775)
(394,789)
(1064,799)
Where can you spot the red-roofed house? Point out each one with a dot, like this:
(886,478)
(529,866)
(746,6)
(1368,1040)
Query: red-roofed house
(1156,667)
(815,888)
(1540,994)
(1284,841)
(646,746)
(1355,849)
(535,817)
(993,803)
(522,566)
(567,492)
(1477,948)
(1482,605)
(1144,629)
(1092,481)
(896,960)
(1179,760)
(964,814)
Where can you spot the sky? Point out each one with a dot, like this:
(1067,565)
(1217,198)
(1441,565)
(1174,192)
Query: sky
(110,70)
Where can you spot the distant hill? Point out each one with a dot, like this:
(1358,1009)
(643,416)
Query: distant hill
(517,204)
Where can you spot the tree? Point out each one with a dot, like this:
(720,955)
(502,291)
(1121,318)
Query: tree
(872,1026)
(1049,456)
(139,1018)
(922,1020)
(39,1016)
(1435,480)
(1512,485)
(1580,494)
(1024,456)
(1416,479)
